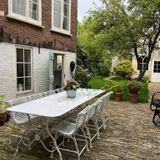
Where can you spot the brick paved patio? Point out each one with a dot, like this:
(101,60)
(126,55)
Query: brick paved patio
(130,135)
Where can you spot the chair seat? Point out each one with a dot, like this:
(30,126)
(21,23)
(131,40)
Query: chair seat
(65,128)
(156,102)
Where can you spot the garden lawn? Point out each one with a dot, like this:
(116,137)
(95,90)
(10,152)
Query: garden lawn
(99,82)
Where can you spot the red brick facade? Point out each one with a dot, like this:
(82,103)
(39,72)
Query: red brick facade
(23,33)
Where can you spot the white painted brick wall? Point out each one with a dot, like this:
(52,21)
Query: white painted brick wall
(40,69)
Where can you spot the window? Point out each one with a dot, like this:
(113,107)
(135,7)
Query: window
(156,68)
(23,69)
(142,62)
(26,10)
(61,16)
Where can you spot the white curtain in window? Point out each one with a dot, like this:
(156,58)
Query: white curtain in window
(57,13)
(19,7)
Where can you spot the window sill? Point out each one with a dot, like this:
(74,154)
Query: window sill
(61,32)
(26,21)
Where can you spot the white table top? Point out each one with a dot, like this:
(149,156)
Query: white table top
(57,104)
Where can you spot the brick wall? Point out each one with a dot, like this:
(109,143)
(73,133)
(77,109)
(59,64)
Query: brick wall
(36,34)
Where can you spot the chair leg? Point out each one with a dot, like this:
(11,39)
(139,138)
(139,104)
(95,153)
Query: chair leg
(85,137)
(97,128)
(10,139)
(76,145)
(89,136)
(156,112)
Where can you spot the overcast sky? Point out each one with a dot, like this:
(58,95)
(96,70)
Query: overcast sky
(84,6)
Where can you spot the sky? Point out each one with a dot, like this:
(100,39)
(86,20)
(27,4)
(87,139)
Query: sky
(84,6)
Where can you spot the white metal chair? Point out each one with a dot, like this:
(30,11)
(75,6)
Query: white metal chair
(101,115)
(36,96)
(50,92)
(17,118)
(69,130)
(58,90)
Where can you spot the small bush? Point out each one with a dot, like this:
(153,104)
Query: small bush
(124,68)
(82,76)
(134,86)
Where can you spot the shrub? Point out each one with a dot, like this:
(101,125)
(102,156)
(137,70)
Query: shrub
(124,68)
(82,76)
(117,86)
(134,86)
(104,69)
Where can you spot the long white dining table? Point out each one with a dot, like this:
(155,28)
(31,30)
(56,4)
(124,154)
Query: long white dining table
(54,106)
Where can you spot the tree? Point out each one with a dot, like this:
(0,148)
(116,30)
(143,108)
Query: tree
(132,29)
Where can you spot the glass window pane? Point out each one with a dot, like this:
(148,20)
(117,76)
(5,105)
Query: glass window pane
(66,1)
(66,10)
(34,9)
(27,55)
(27,70)
(57,21)
(20,84)
(19,55)
(27,83)
(19,7)
(65,23)
(57,7)
(20,70)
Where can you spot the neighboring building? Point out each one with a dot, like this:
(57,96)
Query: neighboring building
(37,44)
(153,72)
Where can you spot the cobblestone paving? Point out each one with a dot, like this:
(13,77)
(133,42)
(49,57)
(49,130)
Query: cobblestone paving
(129,135)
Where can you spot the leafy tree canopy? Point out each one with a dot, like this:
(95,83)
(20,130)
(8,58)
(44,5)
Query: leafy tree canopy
(123,29)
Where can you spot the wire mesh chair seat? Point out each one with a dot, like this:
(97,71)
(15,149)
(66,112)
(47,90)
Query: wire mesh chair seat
(69,130)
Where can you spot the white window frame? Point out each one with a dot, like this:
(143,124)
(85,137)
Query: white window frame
(155,66)
(61,30)
(26,18)
(24,48)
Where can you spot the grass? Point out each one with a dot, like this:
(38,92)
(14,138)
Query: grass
(99,82)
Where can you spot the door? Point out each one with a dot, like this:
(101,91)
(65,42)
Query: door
(58,71)
(155,77)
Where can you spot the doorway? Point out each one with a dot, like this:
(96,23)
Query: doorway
(58,71)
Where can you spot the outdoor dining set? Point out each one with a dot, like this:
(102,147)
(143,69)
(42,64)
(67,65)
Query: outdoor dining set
(80,129)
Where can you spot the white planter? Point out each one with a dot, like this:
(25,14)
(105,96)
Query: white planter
(71,93)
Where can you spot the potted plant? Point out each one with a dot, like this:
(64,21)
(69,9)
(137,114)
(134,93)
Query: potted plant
(71,88)
(133,89)
(3,110)
(117,88)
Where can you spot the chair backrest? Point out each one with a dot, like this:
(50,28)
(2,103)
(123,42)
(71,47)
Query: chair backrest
(92,110)
(48,93)
(105,98)
(85,112)
(36,96)
(17,101)
(44,94)
(18,118)
(58,90)
(79,120)
(15,116)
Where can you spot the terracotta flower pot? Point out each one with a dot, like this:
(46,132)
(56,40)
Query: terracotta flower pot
(118,96)
(133,98)
(3,118)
